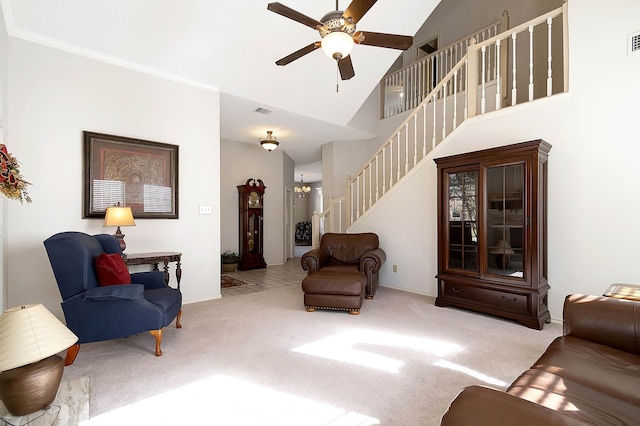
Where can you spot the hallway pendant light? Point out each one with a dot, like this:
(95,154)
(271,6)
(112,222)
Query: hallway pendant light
(302,190)
(337,45)
(270,143)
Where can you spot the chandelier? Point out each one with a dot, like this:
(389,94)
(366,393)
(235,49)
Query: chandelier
(302,190)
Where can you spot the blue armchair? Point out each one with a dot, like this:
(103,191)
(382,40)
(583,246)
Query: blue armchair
(96,313)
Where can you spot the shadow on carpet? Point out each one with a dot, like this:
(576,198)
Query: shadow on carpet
(233,281)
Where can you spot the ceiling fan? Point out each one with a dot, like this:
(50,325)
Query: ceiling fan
(338,34)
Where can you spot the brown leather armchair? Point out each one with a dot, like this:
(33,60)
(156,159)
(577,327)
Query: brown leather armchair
(337,269)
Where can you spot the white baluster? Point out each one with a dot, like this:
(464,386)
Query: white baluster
(498,77)
(514,87)
(433,141)
(530,63)
(399,163)
(390,163)
(455,99)
(370,186)
(549,76)
(415,140)
(424,129)
(444,109)
(406,148)
(483,100)
(377,177)
(384,170)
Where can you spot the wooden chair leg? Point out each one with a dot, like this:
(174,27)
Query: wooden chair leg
(178,325)
(72,352)
(158,335)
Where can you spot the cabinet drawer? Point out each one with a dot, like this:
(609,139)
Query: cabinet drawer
(496,299)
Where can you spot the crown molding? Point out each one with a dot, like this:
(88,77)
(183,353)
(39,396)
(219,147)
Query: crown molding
(30,36)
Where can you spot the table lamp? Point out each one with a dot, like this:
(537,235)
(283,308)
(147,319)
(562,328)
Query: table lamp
(31,370)
(119,216)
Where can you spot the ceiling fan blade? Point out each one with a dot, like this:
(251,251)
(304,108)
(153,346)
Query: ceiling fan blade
(391,41)
(298,53)
(357,9)
(287,12)
(346,68)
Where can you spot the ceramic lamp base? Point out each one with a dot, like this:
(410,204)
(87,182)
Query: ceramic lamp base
(32,387)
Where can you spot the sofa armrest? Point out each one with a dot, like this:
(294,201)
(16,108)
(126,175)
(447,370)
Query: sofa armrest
(114,292)
(480,405)
(314,259)
(604,320)
(150,279)
(372,260)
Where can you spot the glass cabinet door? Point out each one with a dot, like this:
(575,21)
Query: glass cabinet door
(462,220)
(505,220)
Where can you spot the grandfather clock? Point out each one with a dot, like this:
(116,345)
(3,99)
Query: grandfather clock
(250,198)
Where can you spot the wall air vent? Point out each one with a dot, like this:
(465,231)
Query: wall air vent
(634,43)
(263,110)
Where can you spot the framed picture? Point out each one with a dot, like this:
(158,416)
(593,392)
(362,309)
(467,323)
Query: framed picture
(135,173)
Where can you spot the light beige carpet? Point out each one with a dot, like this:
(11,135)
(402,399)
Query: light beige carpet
(261,359)
(71,407)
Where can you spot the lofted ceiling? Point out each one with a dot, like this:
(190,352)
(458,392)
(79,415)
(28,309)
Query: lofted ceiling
(232,47)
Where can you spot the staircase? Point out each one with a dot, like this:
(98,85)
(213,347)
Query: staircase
(508,69)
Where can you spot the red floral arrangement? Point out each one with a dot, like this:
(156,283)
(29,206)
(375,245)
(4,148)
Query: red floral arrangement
(12,184)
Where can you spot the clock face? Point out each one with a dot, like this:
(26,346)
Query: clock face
(254,199)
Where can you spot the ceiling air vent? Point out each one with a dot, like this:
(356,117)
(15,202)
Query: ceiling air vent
(634,43)
(263,110)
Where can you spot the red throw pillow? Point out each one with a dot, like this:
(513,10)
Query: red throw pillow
(111,270)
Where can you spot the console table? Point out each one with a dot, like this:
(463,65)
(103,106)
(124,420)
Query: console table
(155,259)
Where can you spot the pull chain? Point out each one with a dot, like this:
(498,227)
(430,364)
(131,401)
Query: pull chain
(337,77)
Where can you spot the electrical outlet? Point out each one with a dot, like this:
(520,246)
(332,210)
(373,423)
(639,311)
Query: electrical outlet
(205,209)
(395,268)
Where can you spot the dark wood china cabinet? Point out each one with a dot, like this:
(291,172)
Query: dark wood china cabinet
(492,232)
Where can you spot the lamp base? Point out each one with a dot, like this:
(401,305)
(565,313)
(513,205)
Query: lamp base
(120,237)
(32,387)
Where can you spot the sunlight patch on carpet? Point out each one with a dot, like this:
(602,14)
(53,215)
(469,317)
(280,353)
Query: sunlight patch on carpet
(233,281)
(341,347)
(473,373)
(225,400)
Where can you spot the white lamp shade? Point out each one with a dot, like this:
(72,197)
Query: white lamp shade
(30,333)
(119,216)
(337,43)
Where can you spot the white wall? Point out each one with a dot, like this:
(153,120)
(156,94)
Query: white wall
(593,175)
(241,161)
(52,97)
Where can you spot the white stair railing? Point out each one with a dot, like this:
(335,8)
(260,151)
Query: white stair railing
(482,68)
(331,219)
(406,88)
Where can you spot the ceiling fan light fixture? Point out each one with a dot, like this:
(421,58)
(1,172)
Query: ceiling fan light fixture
(270,143)
(337,45)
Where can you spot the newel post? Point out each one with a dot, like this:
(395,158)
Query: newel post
(315,230)
(473,72)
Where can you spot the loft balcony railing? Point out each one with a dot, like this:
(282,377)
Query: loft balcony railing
(406,88)
(507,69)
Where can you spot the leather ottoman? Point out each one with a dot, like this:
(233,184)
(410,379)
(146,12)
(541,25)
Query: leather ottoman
(342,291)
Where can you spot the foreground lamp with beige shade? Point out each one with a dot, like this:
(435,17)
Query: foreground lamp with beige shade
(119,216)
(31,370)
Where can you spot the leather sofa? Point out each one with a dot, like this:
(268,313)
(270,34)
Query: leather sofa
(342,271)
(588,376)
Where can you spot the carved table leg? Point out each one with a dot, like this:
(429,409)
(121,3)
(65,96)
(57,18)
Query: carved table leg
(179,272)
